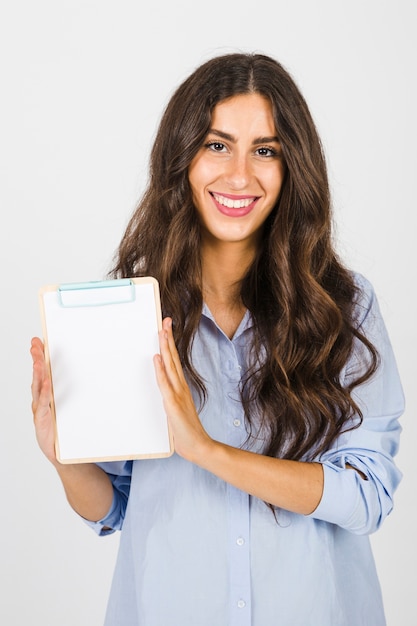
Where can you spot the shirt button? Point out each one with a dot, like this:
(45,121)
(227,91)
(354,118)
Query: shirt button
(236,423)
(241,604)
(240,541)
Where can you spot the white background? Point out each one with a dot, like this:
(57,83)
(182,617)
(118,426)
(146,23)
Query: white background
(83,84)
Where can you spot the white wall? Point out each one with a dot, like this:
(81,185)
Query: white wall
(83,83)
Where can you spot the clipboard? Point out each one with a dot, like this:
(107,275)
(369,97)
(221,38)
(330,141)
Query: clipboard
(100,338)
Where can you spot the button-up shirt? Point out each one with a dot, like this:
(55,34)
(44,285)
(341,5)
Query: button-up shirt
(196,551)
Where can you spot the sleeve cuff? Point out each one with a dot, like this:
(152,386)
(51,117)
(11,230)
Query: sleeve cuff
(347,500)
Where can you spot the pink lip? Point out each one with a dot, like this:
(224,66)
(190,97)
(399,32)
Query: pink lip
(232,212)
(234,196)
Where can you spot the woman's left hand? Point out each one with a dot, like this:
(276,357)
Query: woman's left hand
(188,433)
(293,485)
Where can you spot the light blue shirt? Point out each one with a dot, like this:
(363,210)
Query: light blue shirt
(195,551)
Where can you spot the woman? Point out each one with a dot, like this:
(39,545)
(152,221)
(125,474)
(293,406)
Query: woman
(275,370)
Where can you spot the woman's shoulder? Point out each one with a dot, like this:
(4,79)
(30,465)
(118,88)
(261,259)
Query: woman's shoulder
(363,285)
(365,298)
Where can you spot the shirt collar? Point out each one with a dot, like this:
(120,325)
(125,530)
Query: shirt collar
(245,324)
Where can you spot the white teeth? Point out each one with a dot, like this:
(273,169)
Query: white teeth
(233,204)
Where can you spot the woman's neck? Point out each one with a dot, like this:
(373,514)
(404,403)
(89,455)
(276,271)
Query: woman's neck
(223,268)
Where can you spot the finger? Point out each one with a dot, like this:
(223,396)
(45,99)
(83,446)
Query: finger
(38,360)
(36,350)
(161,376)
(169,343)
(167,368)
(41,383)
(169,372)
(167,389)
(41,391)
(42,404)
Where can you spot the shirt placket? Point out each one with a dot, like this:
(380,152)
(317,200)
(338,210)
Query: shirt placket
(237,501)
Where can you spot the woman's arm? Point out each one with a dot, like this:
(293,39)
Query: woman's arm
(290,485)
(88,488)
(293,485)
(330,491)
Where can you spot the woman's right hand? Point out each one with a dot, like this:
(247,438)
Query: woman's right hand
(88,488)
(41,401)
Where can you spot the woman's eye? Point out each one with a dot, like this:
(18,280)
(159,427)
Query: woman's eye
(266,152)
(216,146)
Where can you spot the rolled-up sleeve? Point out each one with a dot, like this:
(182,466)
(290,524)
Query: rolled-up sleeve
(120,473)
(360,500)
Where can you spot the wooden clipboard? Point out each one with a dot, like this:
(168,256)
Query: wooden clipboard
(100,338)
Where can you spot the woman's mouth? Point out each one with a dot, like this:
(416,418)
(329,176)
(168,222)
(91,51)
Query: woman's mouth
(234,206)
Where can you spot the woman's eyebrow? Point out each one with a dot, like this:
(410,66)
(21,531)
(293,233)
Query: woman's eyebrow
(219,133)
(259,140)
(232,139)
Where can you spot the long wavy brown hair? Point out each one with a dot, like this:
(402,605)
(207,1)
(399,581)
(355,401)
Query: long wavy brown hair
(301,297)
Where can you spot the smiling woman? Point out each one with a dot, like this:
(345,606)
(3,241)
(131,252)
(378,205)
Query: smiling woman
(237,174)
(275,370)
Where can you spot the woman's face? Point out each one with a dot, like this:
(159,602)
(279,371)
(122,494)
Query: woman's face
(237,174)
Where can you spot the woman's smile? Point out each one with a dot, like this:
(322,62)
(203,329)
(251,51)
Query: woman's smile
(234,206)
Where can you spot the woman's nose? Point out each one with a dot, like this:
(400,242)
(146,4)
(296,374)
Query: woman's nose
(238,173)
